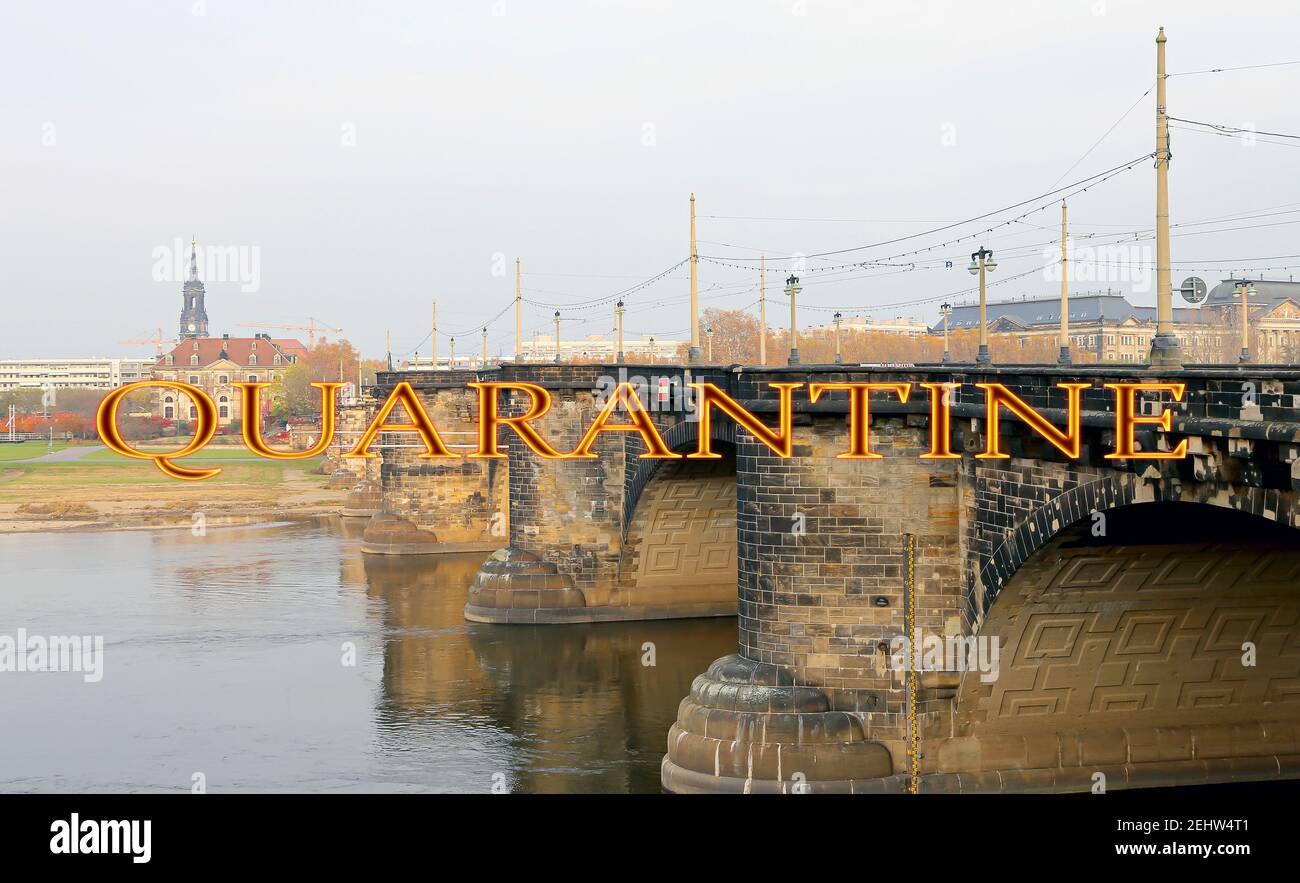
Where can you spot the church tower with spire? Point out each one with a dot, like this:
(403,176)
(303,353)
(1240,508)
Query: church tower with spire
(194,318)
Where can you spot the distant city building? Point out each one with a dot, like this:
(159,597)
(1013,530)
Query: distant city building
(1113,329)
(425,363)
(72,373)
(194,316)
(898,325)
(541,349)
(1274,317)
(213,365)
(600,349)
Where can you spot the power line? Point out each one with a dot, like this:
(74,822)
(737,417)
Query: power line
(416,347)
(1091,180)
(926,300)
(610,298)
(1078,187)
(1234,130)
(588,275)
(1104,135)
(477,326)
(1010,251)
(822,220)
(1235,263)
(1192,131)
(1244,67)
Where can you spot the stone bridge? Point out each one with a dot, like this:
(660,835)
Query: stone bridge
(1142,617)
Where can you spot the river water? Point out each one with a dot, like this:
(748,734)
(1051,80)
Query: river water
(226,661)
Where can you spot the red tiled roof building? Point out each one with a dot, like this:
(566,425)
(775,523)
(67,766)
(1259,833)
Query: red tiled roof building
(213,364)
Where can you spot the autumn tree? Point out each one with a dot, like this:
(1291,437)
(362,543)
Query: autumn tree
(735,337)
(293,395)
(65,410)
(332,361)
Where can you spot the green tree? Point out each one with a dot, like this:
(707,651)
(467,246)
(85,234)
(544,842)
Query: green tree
(293,395)
(26,401)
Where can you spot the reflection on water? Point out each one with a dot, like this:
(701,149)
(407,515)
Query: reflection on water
(224,655)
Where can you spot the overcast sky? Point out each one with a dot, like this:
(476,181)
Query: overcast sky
(379,156)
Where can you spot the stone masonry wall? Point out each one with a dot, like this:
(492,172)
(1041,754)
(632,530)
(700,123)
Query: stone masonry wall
(568,512)
(351,421)
(457,501)
(821,547)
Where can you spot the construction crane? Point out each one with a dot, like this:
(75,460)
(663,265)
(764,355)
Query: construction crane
(312,326)
(156,340)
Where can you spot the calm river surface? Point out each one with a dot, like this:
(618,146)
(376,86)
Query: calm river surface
(224,655)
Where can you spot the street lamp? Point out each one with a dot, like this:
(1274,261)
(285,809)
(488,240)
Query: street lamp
(792,290)
(485,355)
(708,334)
(981,263)
(557,337)
(451,358)
(946,309)
(618,313)
(1245,291)
(837,320)
(652,351)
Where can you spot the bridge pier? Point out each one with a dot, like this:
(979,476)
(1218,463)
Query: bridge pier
(359,477)
(436,506)
(810,700)
(611,538)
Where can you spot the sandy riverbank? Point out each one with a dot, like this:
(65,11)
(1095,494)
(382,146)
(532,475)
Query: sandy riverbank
(91,518)
(87,495)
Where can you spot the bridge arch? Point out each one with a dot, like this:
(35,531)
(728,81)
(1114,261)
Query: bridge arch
(679,527)
(1162,653)
(1112,491)
(679,437)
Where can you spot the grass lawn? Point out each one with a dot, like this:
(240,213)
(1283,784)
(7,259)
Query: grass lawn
(140,480)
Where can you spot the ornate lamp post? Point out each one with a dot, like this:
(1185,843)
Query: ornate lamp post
(792,290)
(982,263)
(708,334)
(946,309)
(652,351)
(618,313)
(839,318)
(557,337)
